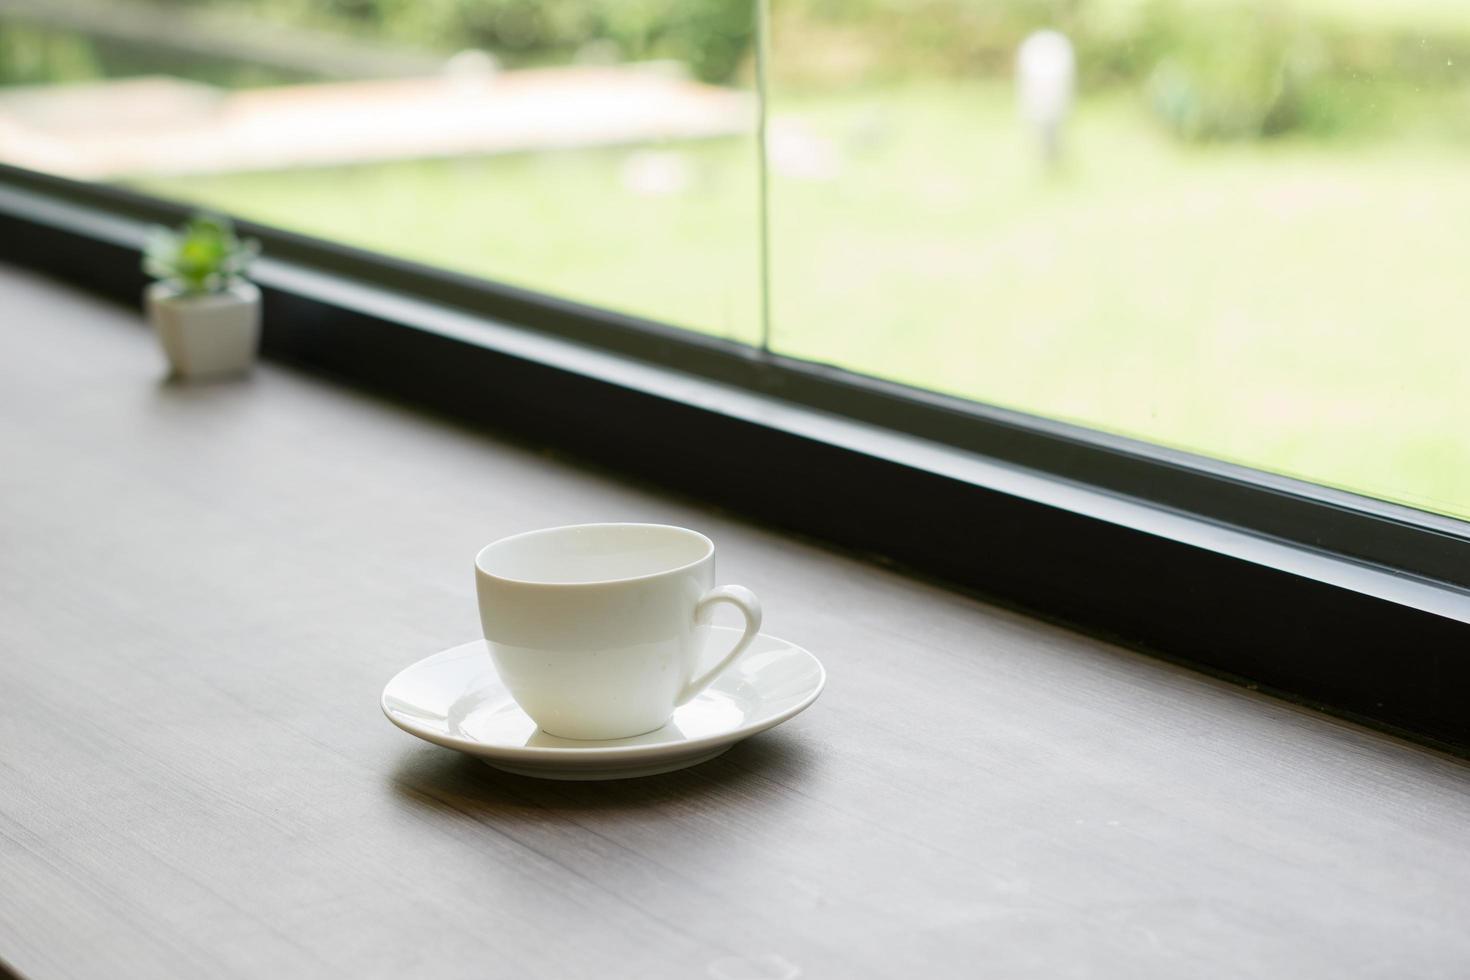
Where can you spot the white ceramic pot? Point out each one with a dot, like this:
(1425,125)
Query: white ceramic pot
(206,335)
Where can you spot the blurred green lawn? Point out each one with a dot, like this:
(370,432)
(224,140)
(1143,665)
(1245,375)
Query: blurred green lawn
(1295,304)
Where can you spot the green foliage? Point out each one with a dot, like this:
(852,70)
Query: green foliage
(1208,69)
(713,37)
(37,56)
(1228,71)
(203,256)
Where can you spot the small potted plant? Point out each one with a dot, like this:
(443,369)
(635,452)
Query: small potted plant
(206,314)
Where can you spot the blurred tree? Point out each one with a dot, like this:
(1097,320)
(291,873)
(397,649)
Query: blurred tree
(36,55)
(713,37)
(1227,71)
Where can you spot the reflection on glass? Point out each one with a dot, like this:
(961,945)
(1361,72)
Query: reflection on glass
(1236,227)
(592,149)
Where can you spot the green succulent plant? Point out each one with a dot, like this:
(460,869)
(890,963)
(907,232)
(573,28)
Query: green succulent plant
(203,256)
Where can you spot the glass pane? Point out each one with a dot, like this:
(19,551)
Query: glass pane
(599,150)
(1234,227)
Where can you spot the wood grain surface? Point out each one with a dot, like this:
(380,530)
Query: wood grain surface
(203,590)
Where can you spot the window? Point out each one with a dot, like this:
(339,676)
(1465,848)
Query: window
(1235,227)
(1231,227)
(594,150)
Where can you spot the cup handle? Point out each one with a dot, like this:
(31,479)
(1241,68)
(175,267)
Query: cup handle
(750,607)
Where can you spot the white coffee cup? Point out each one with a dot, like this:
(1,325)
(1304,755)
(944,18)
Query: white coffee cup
(593,628)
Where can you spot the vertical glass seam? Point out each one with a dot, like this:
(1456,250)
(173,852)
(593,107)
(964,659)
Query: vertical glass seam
(763,197)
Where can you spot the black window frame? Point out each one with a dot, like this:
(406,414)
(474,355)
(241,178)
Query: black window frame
(1343,602)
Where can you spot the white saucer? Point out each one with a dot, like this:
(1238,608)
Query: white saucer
(456,699)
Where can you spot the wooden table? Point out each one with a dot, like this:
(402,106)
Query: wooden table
(203,590)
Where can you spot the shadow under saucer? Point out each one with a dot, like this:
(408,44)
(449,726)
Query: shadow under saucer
(450,781)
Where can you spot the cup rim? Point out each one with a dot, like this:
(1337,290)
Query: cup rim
(480,569)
